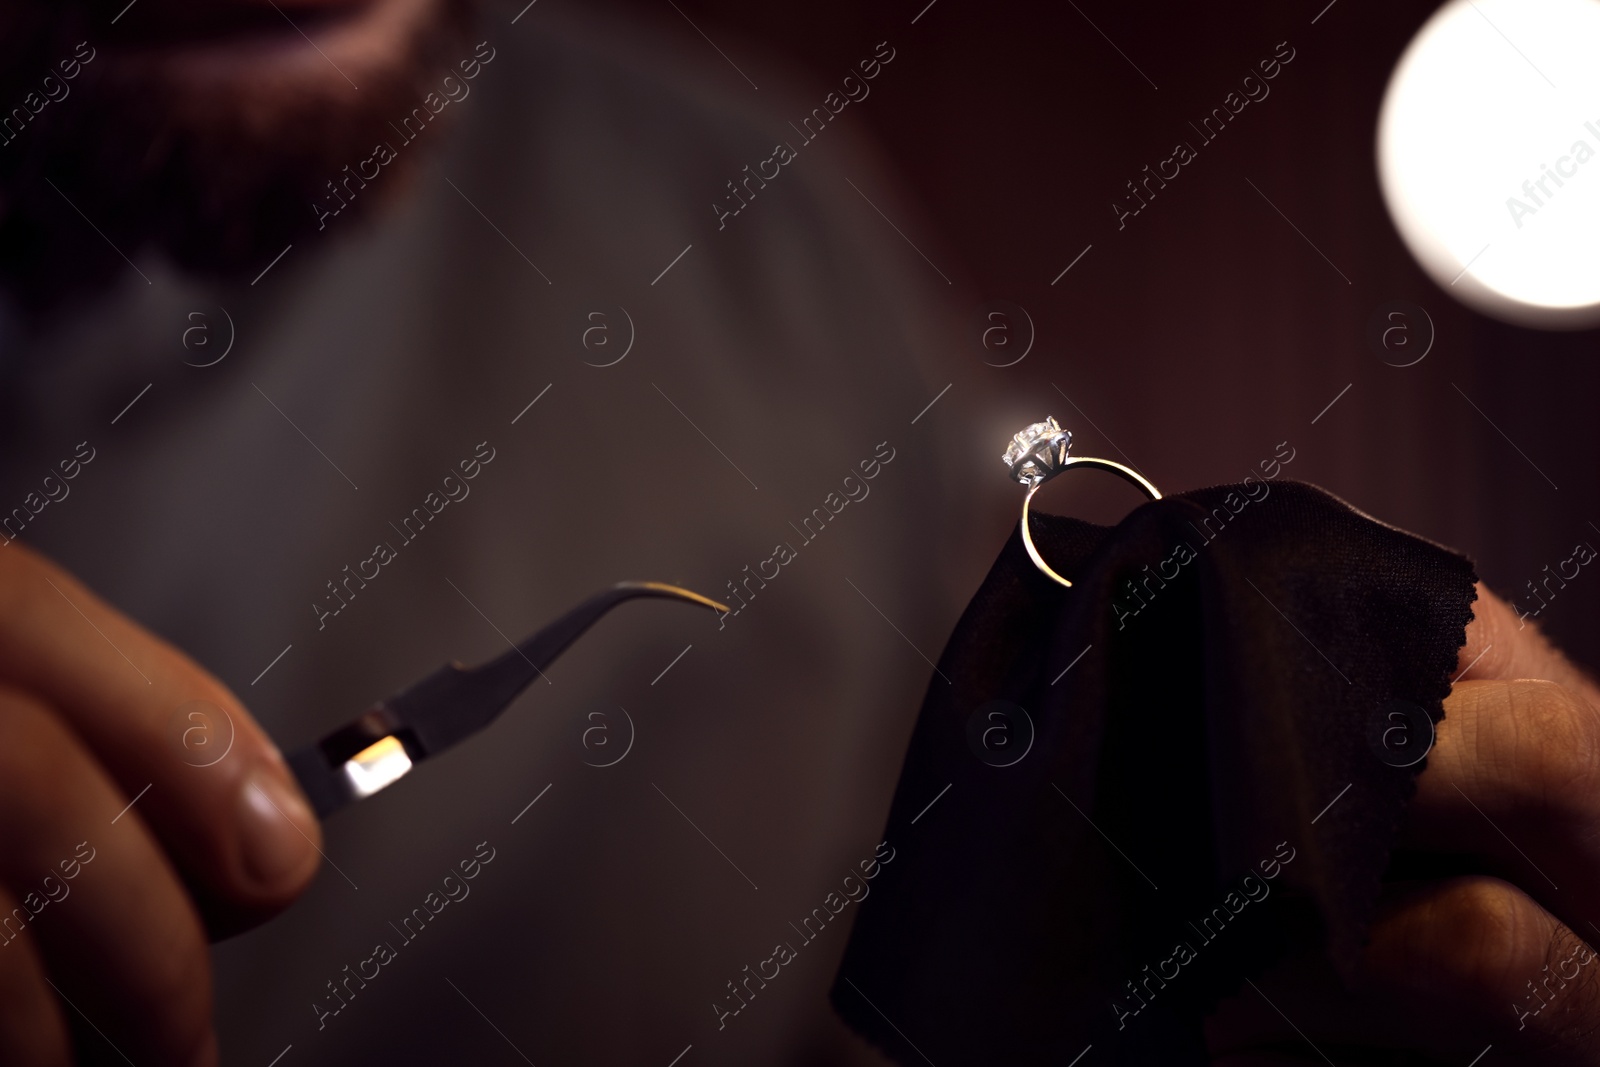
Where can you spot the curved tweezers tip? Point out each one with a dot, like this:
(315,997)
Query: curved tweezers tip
(674,591)
(523,662)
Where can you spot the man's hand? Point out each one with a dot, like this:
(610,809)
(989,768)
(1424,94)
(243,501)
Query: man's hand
(1498,953)
(121,829)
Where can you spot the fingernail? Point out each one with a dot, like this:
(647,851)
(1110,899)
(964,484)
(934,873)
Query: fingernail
(277,829)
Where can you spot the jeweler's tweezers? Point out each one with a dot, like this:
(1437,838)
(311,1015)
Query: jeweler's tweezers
(447,706)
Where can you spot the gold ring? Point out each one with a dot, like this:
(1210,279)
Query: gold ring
(1038,454)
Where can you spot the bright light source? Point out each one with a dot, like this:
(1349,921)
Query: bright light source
(1489,156)
(376,766)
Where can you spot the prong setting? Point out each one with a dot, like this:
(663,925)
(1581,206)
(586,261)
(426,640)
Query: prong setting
(1038,452)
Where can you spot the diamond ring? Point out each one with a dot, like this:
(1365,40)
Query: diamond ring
(1038,454)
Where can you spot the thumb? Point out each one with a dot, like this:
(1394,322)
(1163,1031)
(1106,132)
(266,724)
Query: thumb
(1502,644)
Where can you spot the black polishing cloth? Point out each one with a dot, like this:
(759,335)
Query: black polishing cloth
(1123,799)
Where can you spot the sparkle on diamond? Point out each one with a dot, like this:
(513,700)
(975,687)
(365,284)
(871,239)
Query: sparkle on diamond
(1024,443)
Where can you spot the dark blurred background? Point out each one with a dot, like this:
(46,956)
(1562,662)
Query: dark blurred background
(1207,330)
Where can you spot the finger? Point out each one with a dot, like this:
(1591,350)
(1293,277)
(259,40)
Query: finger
(32,1033)
(1513,783)
(219,796)
(1451,968)
(99,901)
(1503,644)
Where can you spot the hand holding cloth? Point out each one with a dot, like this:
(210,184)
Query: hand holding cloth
(1124,799)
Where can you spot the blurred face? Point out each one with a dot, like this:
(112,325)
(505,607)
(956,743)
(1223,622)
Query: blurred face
(205,127)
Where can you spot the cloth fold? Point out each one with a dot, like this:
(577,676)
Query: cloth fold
(1123,799)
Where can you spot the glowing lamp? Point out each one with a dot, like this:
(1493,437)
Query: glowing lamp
(1489,157)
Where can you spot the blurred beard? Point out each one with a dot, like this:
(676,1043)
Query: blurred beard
(214,161)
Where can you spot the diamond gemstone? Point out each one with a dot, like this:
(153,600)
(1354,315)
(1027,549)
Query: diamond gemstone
(1031,439)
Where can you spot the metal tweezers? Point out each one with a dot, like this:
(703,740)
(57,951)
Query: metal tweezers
(448,706)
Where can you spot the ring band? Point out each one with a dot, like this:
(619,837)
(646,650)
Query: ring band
(1038,454)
